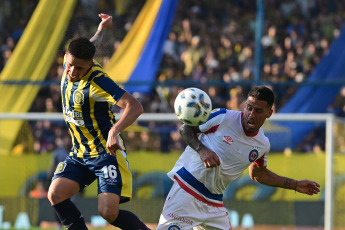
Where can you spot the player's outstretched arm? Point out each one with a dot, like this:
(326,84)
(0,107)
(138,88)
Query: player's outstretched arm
(269,178)
(106,23)
(189,135)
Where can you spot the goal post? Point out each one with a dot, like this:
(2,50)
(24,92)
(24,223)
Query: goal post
(328,119)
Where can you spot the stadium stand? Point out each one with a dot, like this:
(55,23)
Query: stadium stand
(209,41)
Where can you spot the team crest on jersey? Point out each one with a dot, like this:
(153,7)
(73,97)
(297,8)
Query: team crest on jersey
(174,227)
(253,155)
(78,97)
(100,149)
(60,168)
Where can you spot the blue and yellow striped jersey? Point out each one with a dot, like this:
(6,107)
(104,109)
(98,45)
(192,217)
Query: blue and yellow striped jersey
(87,110)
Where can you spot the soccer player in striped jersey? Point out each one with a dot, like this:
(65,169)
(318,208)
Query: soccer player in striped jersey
(98,150)
(218,151)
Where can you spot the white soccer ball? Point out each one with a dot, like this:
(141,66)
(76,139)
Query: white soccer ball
(192,106)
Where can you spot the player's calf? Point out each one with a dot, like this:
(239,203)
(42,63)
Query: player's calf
(69,215)
(128,220)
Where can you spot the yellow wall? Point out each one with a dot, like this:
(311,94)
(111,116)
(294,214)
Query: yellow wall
(14,170)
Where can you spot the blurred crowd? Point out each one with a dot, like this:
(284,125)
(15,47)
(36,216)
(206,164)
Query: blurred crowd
(209,41)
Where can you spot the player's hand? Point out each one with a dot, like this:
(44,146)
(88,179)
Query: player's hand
(113,142)
(106,23)
(209,158)
(307,187)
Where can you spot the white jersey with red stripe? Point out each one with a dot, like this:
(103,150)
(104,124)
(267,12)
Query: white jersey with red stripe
(223,133)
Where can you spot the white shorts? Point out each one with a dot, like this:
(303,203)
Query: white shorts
(182,211)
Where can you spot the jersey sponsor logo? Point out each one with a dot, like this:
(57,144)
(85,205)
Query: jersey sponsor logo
(72,113)
(111,181)
(78,97)
(60,168)
(180,218)
(78,122)
(253,155)
(174,227)
(74,117)
(228,140)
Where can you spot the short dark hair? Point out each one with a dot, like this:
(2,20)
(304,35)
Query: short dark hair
(262,93)
(82,48)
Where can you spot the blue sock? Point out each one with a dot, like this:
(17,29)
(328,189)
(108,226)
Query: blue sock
(69,215)
(128,221)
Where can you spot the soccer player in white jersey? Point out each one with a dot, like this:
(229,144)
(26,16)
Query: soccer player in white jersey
(218,151)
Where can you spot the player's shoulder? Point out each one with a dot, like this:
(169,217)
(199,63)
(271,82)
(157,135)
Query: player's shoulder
(97,65)
(102,81)
(217,112)
(220,115)
(222,112)
(98,75)
(260,136)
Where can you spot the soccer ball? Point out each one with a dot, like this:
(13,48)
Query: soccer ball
(192,106)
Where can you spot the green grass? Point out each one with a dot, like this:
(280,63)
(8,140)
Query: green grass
(38,228)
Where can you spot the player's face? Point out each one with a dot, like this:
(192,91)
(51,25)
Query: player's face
(76,68)
(255,114)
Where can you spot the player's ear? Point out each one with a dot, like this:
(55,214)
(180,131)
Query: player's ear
(269,113)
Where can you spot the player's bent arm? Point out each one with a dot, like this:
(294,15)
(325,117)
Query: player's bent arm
(132,110)
(189,135)
(269,178)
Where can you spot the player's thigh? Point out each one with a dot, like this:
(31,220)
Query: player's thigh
(76,170)
(181,211)
(216,218)
(219,226)
(61,189)
(179,200)
(113,177)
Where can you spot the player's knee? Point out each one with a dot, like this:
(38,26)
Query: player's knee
(55,197)
(108,214)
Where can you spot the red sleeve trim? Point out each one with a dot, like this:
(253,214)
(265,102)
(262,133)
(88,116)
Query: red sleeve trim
(261,161)
(212,130)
